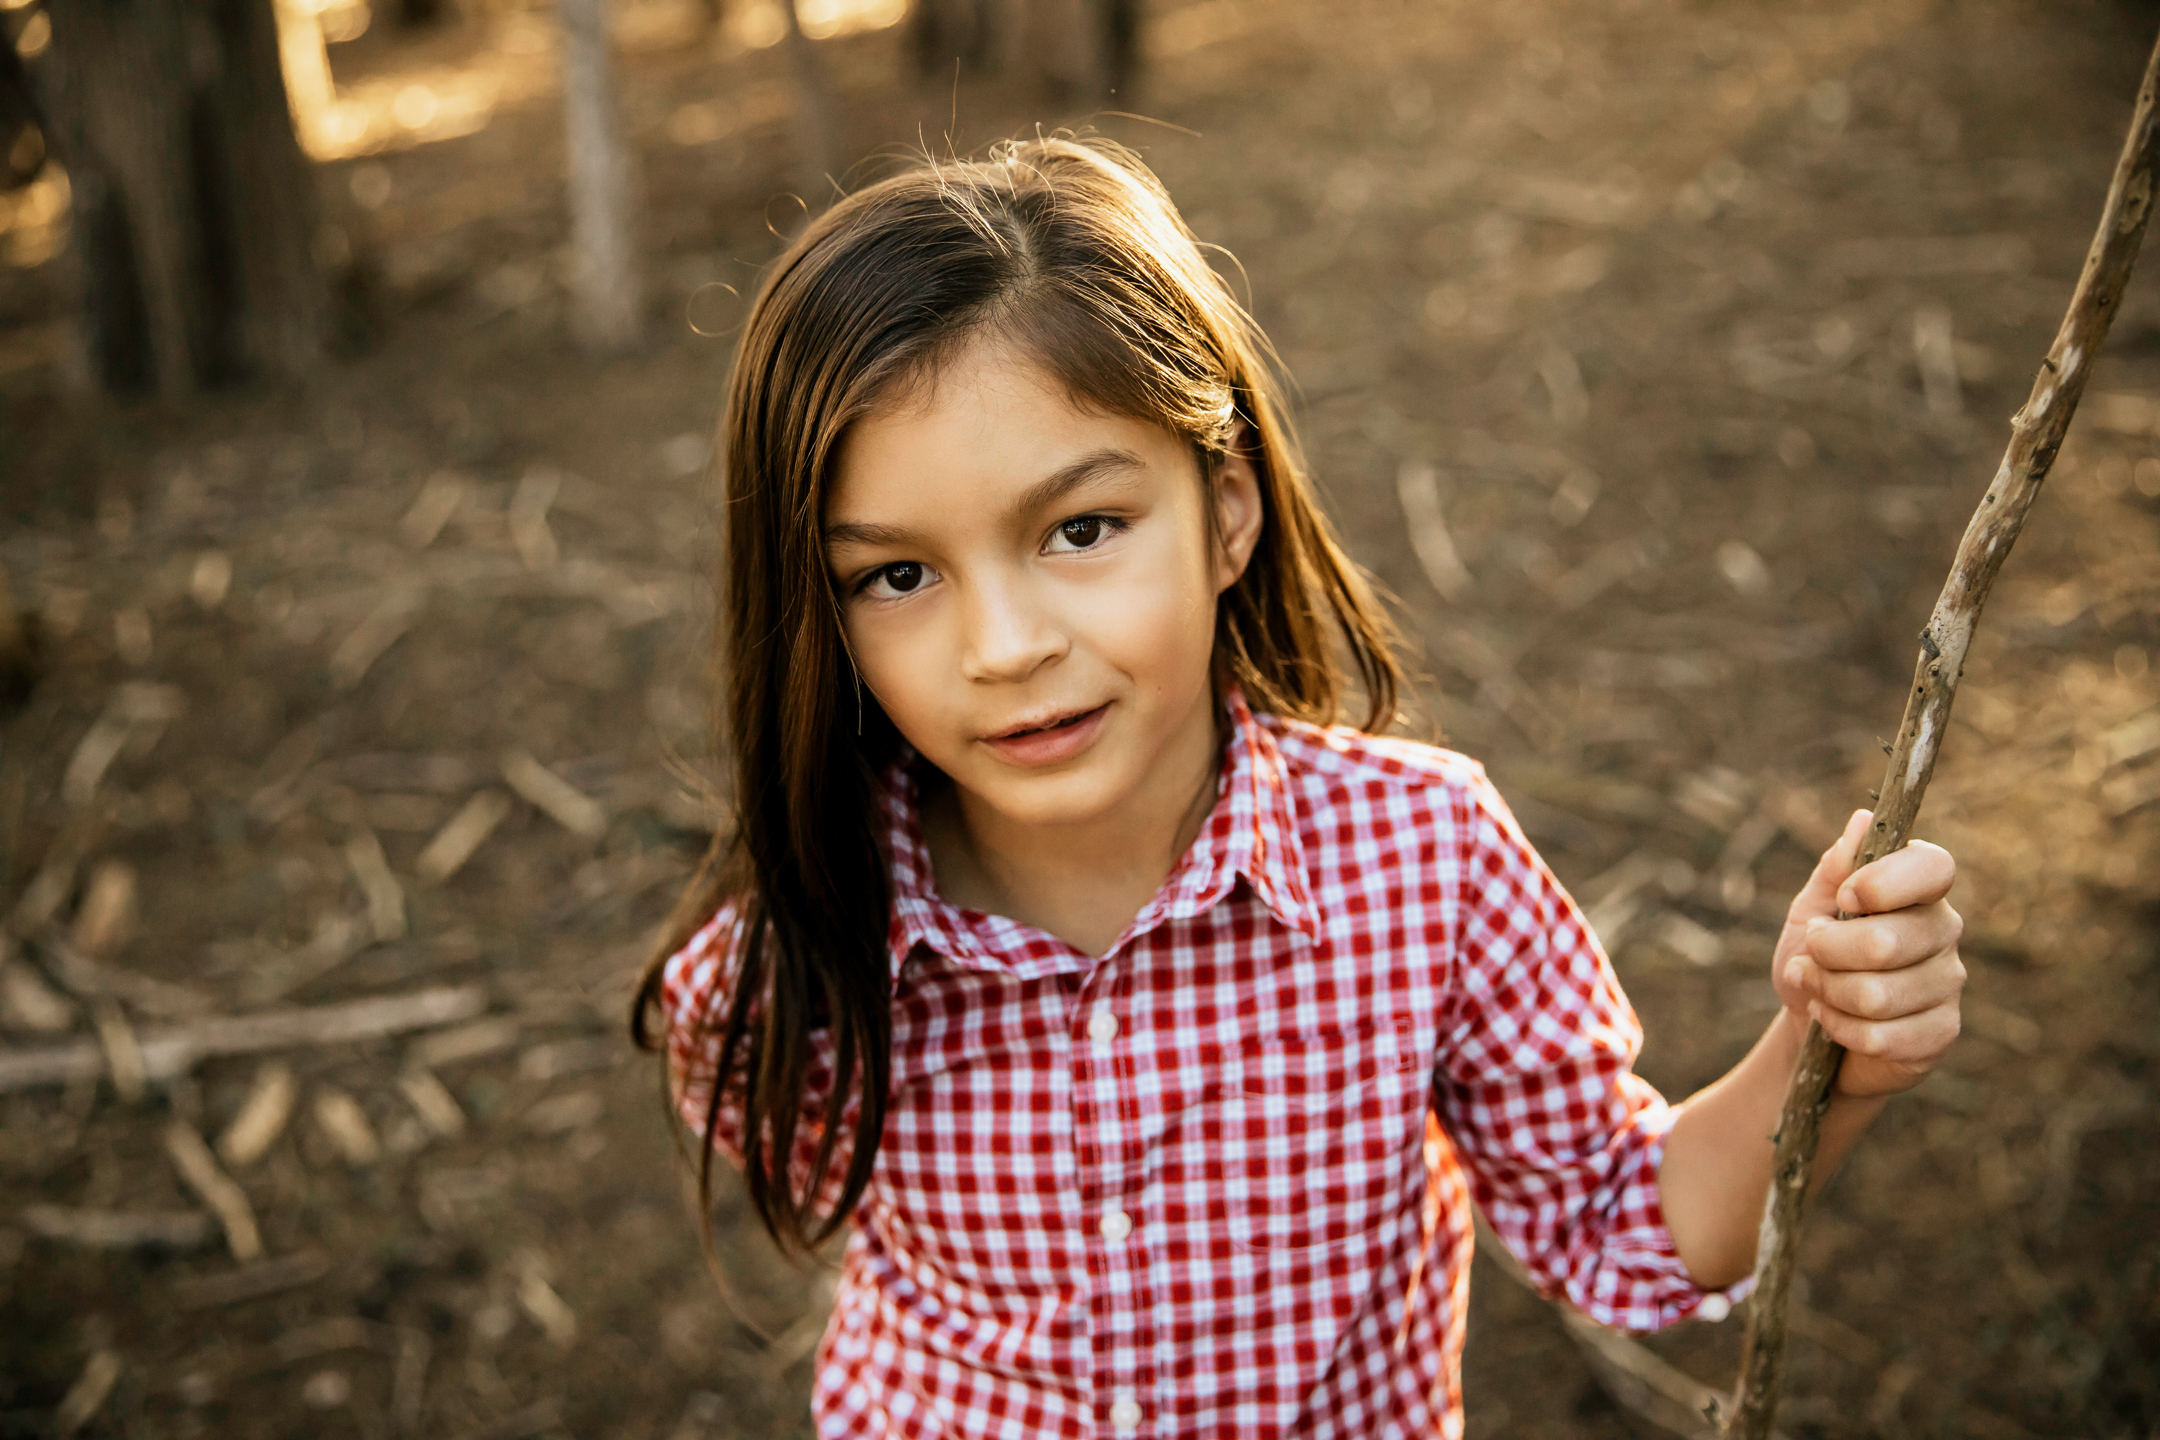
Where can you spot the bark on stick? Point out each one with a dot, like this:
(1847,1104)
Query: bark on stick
(2036,433)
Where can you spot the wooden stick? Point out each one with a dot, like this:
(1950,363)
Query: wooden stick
(174,1050)
(2036,433)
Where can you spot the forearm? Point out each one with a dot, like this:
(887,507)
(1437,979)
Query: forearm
(1716,1171)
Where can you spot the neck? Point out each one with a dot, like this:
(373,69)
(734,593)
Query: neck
(1082,882)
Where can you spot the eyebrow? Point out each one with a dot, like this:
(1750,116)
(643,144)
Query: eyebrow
(1089,468)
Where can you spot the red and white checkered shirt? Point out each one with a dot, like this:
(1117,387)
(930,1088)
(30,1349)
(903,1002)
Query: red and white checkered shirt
(1188,1188)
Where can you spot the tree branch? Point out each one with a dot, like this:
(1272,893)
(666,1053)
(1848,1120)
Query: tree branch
(2036,433)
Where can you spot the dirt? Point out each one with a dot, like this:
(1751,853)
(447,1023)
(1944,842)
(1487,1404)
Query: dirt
(1639,282)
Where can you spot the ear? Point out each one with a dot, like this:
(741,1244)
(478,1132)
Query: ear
(1239,510)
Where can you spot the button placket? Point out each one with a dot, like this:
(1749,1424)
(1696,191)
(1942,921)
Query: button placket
(1108,1061)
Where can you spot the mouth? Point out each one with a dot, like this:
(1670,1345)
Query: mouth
(1065,720)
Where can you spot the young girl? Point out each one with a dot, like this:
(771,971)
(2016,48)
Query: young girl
(1067,947)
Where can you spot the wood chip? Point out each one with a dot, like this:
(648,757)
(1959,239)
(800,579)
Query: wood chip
(28,1003)
(120,1229)
(342,1119)
(88,1394)
(123,1051)
(438,500)
(467,1042)
(383,627)
(455,843)
(437,1108)
(199,1169)
(251,1282)
(90,980)
(547,1308)
(546,791)
(93,756)
(337,938)
(106,919)
(385,897)
(175,1050)
(262,1116)
(1417,488)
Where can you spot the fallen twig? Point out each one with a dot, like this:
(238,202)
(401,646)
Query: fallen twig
(561,801)
(119,1229)
(251,1282)
(199,1168)
(1636,1378)
(464,833)
(2036,435)
(176,1049)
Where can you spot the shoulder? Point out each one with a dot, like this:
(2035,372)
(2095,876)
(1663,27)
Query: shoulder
(1375,802)
(1334,764)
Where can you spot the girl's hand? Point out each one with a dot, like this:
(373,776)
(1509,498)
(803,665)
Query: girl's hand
(1884,984)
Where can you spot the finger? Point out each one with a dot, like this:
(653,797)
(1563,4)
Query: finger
(1819,895)
(1909,1039)
(1919,874)
(1888,995)
(1884,942)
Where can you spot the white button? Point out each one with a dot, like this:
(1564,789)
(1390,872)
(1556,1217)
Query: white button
(1102,1025)
(1116,1225)
(1125,1416)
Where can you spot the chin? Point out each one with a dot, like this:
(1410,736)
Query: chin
(1074,798)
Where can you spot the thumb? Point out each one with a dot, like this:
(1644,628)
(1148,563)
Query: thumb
(1819,895)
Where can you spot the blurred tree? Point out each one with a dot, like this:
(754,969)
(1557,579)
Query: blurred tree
(22,131)
(194,221)
(608,294)
(1083,49)
(816,127)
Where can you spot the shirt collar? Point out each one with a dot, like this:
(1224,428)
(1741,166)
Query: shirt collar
(1251,834)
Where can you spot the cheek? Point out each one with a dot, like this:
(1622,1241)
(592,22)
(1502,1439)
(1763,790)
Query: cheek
(1157,621)
(902,667)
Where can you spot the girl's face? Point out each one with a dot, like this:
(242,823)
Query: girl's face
(1029,588)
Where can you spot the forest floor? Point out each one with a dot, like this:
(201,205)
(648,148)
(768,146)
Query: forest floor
(1697,323)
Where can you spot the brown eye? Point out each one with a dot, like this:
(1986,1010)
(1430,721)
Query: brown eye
(904,577)
(1083,532)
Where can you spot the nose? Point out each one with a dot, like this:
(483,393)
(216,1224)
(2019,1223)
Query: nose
(1009,633)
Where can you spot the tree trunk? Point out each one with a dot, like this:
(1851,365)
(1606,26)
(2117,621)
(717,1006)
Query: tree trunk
(194,209)
(607,303)
(815,131)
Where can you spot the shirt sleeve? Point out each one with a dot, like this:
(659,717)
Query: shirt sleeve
(697,985)
(1536,1087)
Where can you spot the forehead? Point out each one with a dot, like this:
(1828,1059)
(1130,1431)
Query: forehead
(988,424)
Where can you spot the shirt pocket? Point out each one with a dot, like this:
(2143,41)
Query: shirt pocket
(1308,1136)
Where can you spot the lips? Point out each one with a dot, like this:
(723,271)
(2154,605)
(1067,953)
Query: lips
(1050,740)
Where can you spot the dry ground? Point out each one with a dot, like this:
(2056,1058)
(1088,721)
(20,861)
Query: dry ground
(1696,322)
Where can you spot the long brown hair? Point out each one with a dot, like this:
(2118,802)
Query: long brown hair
(1071,250)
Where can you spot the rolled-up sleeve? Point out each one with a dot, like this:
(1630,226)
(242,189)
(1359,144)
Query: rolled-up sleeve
(1535,1085)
